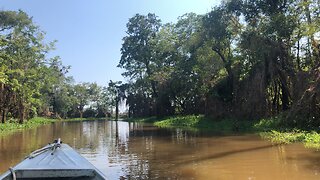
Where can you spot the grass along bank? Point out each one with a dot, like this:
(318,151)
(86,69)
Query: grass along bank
(12,126)
(152,119)
(270,129)
(309,139)
(202,122)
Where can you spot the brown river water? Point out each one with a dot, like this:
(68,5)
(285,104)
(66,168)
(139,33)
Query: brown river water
(123,150)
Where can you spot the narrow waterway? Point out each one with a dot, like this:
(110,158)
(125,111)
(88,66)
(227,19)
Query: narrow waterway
(141,151)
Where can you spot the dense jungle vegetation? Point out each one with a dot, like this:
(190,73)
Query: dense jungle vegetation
(245,59)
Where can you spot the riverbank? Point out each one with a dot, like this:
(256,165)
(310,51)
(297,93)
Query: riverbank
(84,119)
(270,129)
(12,126)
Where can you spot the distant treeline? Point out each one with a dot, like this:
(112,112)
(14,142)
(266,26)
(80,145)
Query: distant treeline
(32,84)
(245,59)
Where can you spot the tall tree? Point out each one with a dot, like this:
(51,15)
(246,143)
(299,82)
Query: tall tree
(22,57)
(81,93)
(137,54)
(221,29)
(117,92)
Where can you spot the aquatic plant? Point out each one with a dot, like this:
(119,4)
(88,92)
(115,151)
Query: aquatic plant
(12,125)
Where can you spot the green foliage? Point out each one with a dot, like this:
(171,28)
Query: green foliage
(105,101)
(267,124)
(136,50)
(32,84)
(202,122)
(22,63)
(309,139)
(144,120)
(181,121)
(81,94)
(312,140)
(283,137)
(12,126)
(270,129)
(242,59)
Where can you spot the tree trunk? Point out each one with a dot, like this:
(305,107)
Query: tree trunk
(1,101)
(275,100)
(129,112)
(81,114)
(117,110)
(227,63)
(227,66)
(285,98)
(153,84)
(4,115)
(306,111)
(21,112)
(310,39)
(298,55)
(117,131)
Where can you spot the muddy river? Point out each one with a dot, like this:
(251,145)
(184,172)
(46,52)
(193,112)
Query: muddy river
(123,150)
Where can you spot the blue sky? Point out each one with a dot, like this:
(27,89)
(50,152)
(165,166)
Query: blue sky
(90,32)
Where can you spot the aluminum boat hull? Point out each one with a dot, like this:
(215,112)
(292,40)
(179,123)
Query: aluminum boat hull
(63,163)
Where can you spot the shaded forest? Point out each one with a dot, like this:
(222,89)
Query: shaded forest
(245,59)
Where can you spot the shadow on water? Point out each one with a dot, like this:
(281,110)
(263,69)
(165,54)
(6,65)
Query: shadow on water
(224,154)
